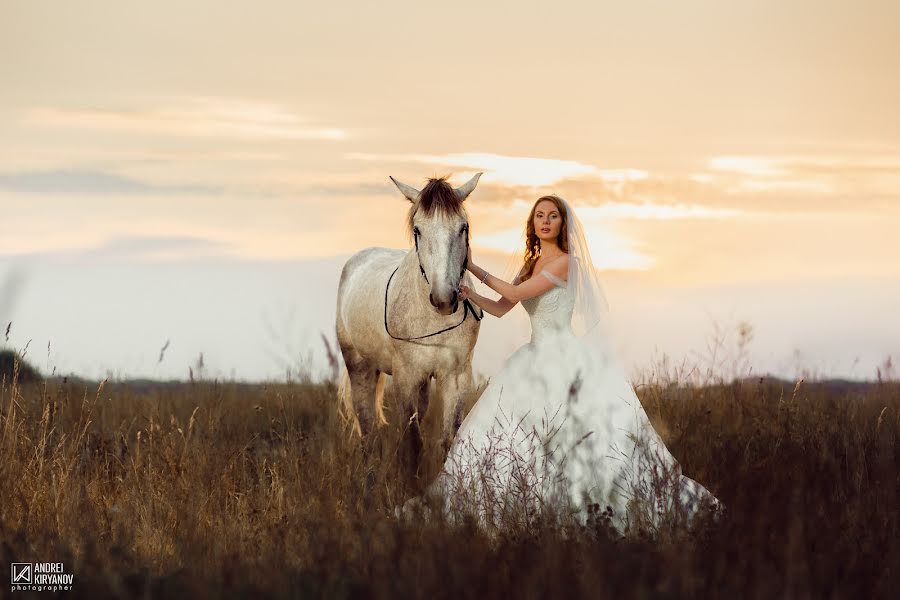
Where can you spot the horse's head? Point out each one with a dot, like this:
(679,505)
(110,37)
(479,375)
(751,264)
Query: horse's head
(440,228)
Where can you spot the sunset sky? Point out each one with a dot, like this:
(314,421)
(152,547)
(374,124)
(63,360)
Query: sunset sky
(198,173)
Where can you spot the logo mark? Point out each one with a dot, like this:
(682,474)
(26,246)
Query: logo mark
(21,573)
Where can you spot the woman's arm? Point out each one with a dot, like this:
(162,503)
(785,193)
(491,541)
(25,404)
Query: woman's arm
(516,292)
(498,308)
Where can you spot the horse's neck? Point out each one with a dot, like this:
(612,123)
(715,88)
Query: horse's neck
(409,267)
(409,278)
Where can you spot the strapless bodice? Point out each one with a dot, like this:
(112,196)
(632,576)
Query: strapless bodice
(550,313)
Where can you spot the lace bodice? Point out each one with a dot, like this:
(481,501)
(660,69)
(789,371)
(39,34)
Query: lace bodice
(551,312)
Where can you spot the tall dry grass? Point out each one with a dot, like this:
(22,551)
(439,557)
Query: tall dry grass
(223,489)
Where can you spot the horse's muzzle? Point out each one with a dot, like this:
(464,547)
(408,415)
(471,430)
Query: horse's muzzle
(446,308)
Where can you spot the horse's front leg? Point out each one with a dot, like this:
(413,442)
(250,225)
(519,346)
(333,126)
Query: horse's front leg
(457,390)
(411,396)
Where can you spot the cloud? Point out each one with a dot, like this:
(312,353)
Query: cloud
(762,186)
(794,164)
(363,188)
(756,187)
(756,166)
(664,212)
(76,181)
(625,192)
(133,249)
(801,177)
(147,247)
(607,194)
(788,185)
(191,117)
(500,169)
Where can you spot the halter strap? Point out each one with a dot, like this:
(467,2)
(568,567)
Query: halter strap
(467,308)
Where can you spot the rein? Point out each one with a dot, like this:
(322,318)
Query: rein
(467,305)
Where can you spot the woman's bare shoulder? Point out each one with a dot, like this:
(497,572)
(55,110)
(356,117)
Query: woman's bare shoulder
(558,265)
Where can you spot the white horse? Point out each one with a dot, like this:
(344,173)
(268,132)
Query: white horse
(398,313)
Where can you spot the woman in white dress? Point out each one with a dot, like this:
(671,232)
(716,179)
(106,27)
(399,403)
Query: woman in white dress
(560,426)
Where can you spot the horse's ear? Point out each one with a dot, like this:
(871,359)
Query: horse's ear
(411,193)
(463,191)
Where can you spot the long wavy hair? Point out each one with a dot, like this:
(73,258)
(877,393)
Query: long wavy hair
(533,242)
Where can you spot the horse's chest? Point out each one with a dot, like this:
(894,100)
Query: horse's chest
(440,357)
(443,353)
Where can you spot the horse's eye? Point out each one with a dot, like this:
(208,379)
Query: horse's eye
(464,229)
(416,231)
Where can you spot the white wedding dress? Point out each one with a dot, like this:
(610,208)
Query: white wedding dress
(561,423)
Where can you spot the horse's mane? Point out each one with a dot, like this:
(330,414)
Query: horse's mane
(437,195)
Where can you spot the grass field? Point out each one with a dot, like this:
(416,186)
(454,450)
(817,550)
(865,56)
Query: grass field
(224,489)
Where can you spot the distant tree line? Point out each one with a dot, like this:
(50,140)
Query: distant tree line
(8,361)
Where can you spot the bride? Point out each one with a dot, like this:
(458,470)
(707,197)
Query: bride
(560,425)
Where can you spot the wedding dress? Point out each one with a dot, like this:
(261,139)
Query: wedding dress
(560,424)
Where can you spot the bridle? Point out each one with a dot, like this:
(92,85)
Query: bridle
(467,306)
(422,269)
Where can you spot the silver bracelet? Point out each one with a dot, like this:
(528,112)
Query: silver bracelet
(485,276)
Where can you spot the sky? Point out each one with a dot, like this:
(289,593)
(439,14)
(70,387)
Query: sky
(194,175)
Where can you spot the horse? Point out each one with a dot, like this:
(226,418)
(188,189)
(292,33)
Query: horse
(398,313)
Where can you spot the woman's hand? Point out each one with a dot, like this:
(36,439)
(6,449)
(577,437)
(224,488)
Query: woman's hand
(464,292)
